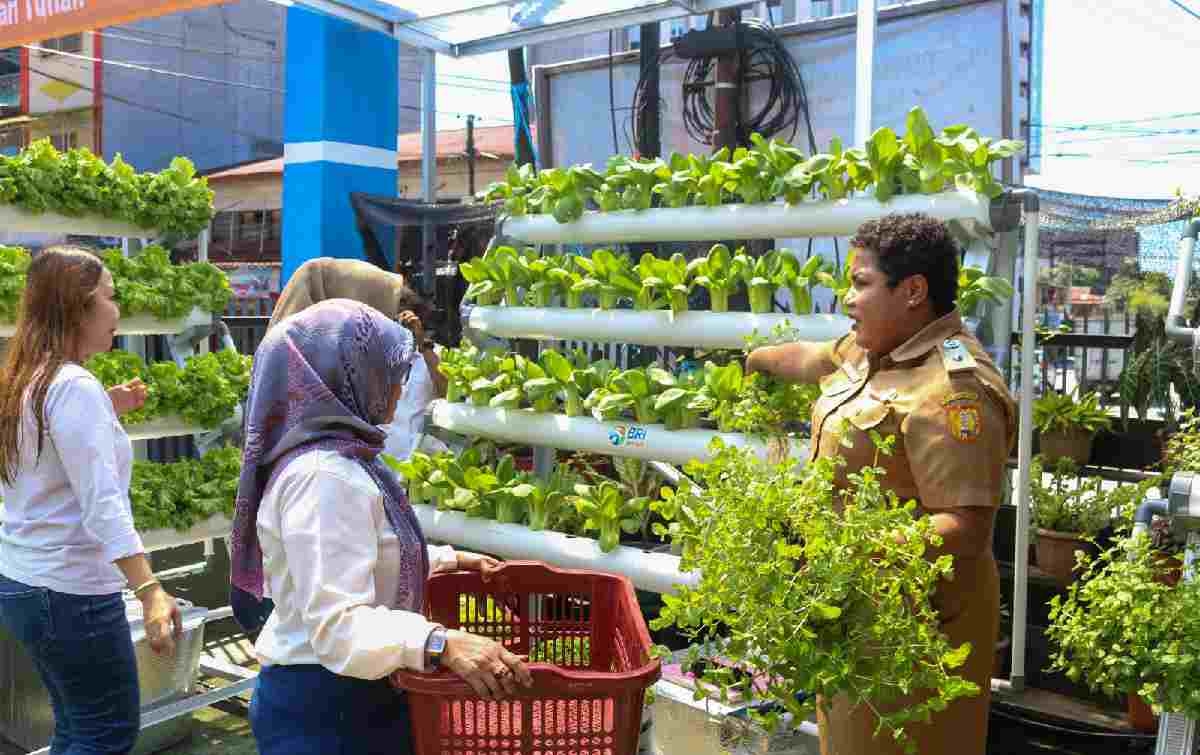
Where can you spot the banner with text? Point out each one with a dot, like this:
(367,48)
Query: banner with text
(31,21)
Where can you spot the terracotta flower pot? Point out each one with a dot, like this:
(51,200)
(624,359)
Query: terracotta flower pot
(1141,715)
(1056,553)
(1074,444)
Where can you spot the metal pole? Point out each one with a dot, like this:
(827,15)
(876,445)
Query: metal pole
(1024,442)
(428,162)
(516,74)
(864,79)
(649,137)
(727,100)
(471,155)
(202,244)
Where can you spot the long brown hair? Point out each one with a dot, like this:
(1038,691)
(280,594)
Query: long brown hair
(59,287)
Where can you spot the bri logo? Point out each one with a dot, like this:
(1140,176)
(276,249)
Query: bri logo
(631,436)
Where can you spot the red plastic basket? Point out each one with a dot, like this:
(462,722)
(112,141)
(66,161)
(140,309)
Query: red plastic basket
(589,652)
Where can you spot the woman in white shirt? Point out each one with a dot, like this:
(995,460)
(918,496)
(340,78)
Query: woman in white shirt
(325,278)
(67,545)
(323,527)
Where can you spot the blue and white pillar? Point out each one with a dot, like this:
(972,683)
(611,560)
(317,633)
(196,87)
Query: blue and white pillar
(340,122)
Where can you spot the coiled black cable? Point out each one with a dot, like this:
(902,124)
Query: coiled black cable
(763,57)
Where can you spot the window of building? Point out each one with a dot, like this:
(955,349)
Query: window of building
(65,140)
(849,6)
(679,27)
(70,43)
(822,8)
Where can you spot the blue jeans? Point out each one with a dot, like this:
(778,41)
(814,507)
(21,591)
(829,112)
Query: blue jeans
(81,647)
(309,710)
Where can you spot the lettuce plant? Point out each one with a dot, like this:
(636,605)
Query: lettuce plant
(667,280)
(720,273)
(612,275)
(608,511)
(763,276)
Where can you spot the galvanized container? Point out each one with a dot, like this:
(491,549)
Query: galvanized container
(27,720)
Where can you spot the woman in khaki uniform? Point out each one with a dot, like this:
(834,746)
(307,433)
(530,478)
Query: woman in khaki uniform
(909,369)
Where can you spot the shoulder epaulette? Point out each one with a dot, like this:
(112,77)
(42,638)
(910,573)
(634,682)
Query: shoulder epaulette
(956,357)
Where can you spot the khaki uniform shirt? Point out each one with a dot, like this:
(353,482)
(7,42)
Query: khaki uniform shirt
(954,421)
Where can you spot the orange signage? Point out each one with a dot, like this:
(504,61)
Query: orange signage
(30,21)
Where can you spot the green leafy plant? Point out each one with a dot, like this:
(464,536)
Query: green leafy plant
(668,280)
(1121,629)
(800,280)
(763,277)
(824,589)
(608,511)
(14,262)
(1158,372)
(1068,503)
(919,161)
(1060,412)
(975,287)
(41,179)
(147,283)
(1182,453)
(181,494)
(612,277)
(205,392)
(720,273)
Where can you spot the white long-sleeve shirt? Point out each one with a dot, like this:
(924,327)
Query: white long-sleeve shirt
(67,515)
(332,564)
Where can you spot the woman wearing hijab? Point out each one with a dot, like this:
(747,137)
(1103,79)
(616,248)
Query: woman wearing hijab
(324,528)
(326,278)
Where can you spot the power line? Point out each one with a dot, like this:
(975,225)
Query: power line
(1185,9)
(160,111)
(459,114)
(457,86)
(148,69)
(1100,124)
(186,48)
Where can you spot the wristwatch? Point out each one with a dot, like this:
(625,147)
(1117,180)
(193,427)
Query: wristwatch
(434,647)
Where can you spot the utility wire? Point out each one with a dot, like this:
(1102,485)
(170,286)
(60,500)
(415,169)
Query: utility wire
(161,111)
(1185,9)
(148,69)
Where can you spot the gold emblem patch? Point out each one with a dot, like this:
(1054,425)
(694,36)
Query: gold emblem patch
(965,421)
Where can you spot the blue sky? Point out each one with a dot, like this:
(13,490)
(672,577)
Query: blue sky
(1105,61)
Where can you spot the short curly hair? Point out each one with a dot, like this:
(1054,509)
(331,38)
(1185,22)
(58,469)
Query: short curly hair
(914,244)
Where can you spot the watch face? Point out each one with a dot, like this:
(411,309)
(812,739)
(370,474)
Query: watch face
(437,642)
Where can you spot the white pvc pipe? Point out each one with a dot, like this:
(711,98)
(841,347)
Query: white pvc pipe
(1183,276)
(745,221)
(202,245)
(864,79)
(702,330)
(15,219)
(142,325)
(217,526)
(1024,450)
(628,439)
(656,572)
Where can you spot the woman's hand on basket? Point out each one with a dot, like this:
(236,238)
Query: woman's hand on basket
(492,671)
(485,565)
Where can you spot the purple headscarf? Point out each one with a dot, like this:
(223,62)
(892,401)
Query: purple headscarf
(323,379)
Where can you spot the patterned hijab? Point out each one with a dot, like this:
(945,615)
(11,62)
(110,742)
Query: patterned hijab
(323,379)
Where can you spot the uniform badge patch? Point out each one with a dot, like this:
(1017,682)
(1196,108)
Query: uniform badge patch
(964,421)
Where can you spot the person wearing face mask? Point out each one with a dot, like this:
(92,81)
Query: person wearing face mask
(911,370)
(67,544)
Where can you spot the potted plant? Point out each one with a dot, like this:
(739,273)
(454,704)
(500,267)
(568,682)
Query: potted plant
(1119,629)
(1067,513)
(1067,426)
